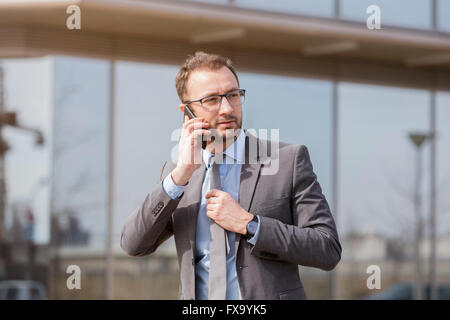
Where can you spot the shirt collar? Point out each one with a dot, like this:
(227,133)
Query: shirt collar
(234,152)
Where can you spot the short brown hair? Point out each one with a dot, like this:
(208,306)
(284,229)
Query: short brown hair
(200,59)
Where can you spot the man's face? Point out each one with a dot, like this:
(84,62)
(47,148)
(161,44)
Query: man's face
(205,82)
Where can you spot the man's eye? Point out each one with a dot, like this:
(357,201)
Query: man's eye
(211,100)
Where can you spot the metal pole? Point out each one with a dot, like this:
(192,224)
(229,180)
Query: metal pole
(418,228)
(432,262)
(337,9)
(110,210)
(53,266)
(334,170)
(433,147)
(4,243)
(2,168)
(434,11)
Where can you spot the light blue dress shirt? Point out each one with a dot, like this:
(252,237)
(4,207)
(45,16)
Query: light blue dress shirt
(230,174)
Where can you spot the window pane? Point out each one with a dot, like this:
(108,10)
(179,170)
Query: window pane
(224,2)
(27,91)
(81,104)
(147,113)
(443,15)
(443,168)
(305,7)
(299,108)
(377,174)
(405,13)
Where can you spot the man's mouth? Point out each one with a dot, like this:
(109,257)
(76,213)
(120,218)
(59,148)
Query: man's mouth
(225,123)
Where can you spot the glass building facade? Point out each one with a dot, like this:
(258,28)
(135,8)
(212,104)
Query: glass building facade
(66,181)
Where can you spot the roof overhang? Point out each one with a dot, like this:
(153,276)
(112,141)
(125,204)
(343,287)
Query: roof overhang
(166,30)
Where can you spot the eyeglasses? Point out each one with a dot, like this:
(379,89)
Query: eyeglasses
(212,103)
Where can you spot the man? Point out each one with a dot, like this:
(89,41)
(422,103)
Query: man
(239,233)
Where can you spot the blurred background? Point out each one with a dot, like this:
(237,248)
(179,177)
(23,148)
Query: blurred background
(86,118)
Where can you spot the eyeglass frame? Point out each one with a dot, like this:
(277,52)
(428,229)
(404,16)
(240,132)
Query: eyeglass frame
(241,91)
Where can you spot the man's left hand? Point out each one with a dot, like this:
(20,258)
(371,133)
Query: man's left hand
(227,212)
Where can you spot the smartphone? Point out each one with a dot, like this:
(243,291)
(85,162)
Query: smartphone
(188,112)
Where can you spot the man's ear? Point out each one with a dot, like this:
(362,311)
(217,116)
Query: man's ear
(182,107)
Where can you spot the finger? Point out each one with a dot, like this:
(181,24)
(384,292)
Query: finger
(212,193)
(193,120)
(196,126)
(201,132)
(211,214)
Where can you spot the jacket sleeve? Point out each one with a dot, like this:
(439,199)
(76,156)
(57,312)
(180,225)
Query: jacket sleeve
(313,239)
(150,224)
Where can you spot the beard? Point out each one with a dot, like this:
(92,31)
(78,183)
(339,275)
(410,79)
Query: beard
(226,135)
(229,133)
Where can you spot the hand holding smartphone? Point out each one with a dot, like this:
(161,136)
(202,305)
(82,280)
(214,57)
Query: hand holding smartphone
(188,112)
(189,150)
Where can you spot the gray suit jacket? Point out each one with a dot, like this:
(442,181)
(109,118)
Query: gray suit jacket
(296,225)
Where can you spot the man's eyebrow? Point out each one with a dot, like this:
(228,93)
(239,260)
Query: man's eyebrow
(213,93)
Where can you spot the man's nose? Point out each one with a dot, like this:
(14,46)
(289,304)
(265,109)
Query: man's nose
(225,107)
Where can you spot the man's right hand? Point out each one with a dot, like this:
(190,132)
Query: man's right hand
(189,149)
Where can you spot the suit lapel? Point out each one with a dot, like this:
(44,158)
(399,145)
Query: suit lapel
(249,177)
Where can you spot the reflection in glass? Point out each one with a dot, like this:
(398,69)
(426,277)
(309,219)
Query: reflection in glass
(224,2)
(443,15)
(377,175)
(376,155)
(406,13)
(147,113)
(27,91)
(81,103)
(443,163)
(304,7)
